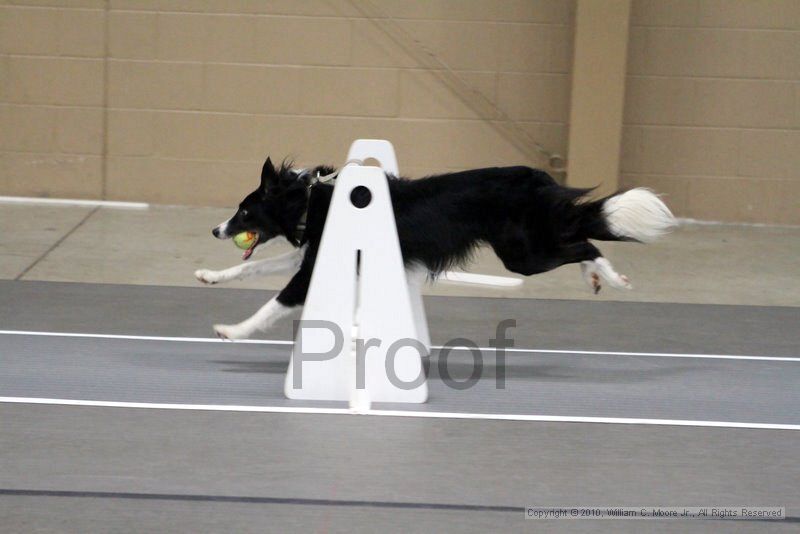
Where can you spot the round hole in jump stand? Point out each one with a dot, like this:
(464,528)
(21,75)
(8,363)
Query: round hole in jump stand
(360,196)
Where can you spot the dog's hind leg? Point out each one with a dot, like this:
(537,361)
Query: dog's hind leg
(600,268)
(517,258)
(594,266)
(591,276)
(284,263)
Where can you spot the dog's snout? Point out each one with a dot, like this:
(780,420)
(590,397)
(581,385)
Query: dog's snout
(221,231)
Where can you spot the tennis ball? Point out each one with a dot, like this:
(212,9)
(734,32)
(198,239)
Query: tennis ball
(245,240)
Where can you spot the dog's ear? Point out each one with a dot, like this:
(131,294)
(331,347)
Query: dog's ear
(268,175)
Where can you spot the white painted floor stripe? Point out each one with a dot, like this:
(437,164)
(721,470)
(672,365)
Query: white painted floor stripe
(398,413)
(793,359)
(75,202)
(144,338)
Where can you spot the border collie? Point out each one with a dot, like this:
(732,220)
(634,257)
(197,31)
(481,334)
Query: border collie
(531,222)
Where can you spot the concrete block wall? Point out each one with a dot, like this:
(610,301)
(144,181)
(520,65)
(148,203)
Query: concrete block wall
(712,115)
(51,99)
(179,101)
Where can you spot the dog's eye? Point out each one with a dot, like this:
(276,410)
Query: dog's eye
(244,213)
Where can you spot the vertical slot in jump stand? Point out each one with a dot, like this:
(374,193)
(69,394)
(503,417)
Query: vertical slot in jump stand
(359,285)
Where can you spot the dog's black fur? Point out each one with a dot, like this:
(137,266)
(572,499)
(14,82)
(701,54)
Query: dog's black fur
(532,223)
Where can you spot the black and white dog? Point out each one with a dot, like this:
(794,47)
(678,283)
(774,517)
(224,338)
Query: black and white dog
(532,223)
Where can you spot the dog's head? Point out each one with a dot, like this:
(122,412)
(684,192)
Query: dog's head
(273,210)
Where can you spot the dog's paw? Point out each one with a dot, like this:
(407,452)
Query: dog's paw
(625,283)
(229,332)
(594,272)
(594,283)
(206,276)
(591,277)
(607,272)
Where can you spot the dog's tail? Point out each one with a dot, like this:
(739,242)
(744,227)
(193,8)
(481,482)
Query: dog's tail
(635,215)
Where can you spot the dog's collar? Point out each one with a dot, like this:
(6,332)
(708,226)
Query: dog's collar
(300,229)
(322,179)
(328,178)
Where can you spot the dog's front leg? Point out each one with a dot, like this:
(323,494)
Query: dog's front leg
(288,262)
(290,299)
(268,315)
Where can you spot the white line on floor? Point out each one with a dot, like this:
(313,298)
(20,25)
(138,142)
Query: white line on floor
(398,413)
(144,338)
(75,202)
(435,347)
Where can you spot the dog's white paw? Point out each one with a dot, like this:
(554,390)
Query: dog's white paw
(601,268)
(624,283)
(590,276)
(229,332)
(206,276)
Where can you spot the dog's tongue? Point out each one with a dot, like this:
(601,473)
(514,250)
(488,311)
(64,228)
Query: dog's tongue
(249,251)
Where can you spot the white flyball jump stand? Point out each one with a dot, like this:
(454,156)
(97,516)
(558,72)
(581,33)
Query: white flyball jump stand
(376,303)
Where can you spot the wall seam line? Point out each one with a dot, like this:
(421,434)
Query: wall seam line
(104,157)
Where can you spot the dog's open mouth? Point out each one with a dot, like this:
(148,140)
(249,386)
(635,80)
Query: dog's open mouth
(249,251)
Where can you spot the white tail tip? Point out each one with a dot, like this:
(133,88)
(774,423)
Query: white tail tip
(638,214)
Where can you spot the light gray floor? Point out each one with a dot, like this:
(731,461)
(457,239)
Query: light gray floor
(712,264)
(133,470)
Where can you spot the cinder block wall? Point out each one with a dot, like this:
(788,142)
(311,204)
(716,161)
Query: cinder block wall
(51,99)
(179,101)
(712,111)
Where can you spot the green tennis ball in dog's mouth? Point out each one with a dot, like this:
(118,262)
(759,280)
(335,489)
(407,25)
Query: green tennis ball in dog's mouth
(245,240)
